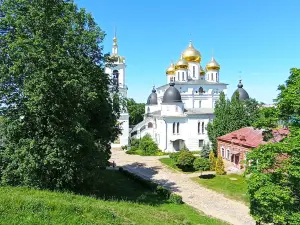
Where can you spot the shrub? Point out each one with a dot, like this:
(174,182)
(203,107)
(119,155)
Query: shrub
(162,192)
(220,166)
(174,156)
(185,160)
(212,161)
(148,146)
(201,164)
(124,147)
(176,199)
(132,150)
(135,142)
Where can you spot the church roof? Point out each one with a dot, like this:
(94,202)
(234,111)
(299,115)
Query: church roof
(171,95)
(243,94)
(152,99)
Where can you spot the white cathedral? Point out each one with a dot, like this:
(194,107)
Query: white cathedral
(177,113)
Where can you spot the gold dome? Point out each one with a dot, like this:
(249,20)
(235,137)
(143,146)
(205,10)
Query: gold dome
(171,69)
(191,54)
(202,72)
(213,65)
(181,64)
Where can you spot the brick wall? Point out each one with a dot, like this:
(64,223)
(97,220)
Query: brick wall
(235,147)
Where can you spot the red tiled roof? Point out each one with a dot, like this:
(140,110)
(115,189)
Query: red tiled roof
(250,137)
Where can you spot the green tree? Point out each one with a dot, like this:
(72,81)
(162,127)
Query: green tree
(136,111)
(60,116)
(268,118)
(274,184)
(205,151)
(201,164)
(230,116)
(212,161)
(220,170)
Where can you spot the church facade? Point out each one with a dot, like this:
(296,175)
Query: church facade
(177,113)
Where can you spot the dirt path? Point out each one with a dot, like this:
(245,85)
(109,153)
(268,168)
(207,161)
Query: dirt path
(201,198)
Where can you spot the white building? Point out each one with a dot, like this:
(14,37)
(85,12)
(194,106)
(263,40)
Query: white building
(117,72)
(177,113)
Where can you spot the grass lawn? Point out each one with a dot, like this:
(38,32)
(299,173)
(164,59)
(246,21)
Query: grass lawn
(130,203)
(170,163)
(235,189)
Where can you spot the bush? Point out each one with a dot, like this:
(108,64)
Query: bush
(201,164)
(174,156)
(176,199)
(212,161)
(185,160)
(220,166)
(162,192)
(144,146)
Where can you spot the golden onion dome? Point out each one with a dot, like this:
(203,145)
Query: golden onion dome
(202,72)
(191,54)
(171,69)
(213,65)
(181,64)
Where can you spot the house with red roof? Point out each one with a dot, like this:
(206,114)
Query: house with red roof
(234,146)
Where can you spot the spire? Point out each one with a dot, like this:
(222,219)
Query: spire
(115,44)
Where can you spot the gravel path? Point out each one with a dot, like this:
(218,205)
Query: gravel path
(201,198)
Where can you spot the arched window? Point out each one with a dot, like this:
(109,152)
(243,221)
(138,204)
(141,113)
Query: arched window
(201,90)
(116,77)
(200,104)
(223,152)
(182,75)
(228,153)
(217,77)
(150,125)
(148,110)
(171,79)
(178,75)
(202,127)
(177,128)
(174,128)
(199,127)
(212,76)
(194,71)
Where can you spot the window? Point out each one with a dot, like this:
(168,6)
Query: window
(150,125)
(177,128)
(201,142)
(171,79)
(228,153)
(200,104)
(174,128)
(202,127)
(182,75)
(178,75)
(223,152)
(212,76)
(148,110)
(194,71)
(199,127)
(217,77)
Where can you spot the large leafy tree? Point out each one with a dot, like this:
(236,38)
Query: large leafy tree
(230,116)
(59,114)
(136,111)
(274,184)
(268,118)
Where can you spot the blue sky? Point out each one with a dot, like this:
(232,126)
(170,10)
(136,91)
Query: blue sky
(257,40)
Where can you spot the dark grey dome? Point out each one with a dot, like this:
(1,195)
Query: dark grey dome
(171,95)
(152,99)
(243,94)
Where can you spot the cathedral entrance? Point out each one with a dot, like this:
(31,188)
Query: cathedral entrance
(178,144)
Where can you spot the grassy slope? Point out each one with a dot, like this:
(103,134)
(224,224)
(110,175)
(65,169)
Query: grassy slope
(235,189)
(29,206)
